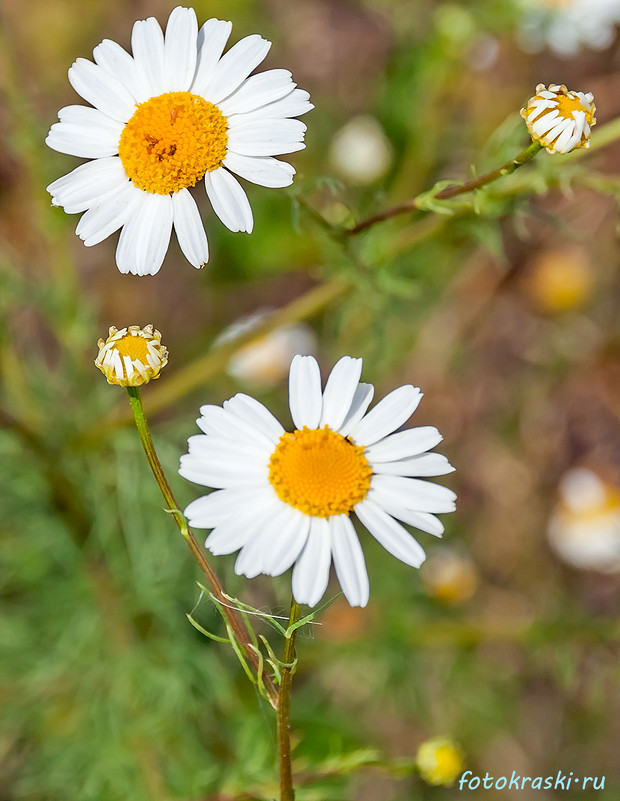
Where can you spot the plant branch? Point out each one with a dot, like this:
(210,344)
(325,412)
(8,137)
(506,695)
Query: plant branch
(232,616)
(452,191)
(287,792)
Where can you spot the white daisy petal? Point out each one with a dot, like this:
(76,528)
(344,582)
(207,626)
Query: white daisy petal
(144,239)
(239,529)
(189,229)
(427,464)
(79,190)
(258,90)
(213,509)
(340,391)
(388,415)
(229,200)
(565,137)
(101,89)
(413,493)
(349,560)
(545,123)
(117,61)
(109,213)
(305,396)
(253,412)
(267,137)
(390,534)
(212,39)
(311,571)
(265,170)
(213,449)
(221,474)
(291,538)
(425,521)
(229,536)
(361,401)
(230,423)
(404,444)
(84,132)
(147,45)
(235,66)
(293,105)
(180,49)
(274,529)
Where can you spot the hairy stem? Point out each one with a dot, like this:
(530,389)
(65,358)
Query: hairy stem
(287,791)
(449,192)
(234,619)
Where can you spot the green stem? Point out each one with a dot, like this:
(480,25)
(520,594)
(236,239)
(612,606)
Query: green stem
(287,791)
(234,619)
(506,169)
(451,191)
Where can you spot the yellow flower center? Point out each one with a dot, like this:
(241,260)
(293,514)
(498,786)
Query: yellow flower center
(134,346)
(171,141)
(569,103)
(319,472)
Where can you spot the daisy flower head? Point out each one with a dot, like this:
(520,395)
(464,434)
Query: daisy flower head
(560,120)
(132,356)
(285,498)
(175,114)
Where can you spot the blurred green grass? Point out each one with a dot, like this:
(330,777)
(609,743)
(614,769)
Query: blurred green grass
(107,692)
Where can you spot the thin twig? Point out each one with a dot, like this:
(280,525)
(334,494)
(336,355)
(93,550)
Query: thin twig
(232,616)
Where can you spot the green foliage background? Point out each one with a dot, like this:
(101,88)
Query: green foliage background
(106,691)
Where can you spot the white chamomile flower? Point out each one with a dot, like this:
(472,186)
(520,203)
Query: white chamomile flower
(566,25)
(286,499)
(132,356)
(584,529)
(560,120)
(164,119)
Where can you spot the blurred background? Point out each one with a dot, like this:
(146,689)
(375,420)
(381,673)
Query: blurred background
(506,314)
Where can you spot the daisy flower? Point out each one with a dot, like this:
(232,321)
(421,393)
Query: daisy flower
(132,356)
(558,119)
(175,113)
(286,499)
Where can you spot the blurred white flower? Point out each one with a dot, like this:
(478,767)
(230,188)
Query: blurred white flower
(584,529)
(566,26)
(360,151)
(449,576)
(266,360)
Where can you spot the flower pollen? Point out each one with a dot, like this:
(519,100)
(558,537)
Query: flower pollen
(171,141)
(319,472)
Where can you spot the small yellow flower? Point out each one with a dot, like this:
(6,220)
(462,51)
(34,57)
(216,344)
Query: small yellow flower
(440,761)
(558,119)
(449,577)
(560,278)
(132,356)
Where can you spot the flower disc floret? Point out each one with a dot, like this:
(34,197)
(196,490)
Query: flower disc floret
(319,472)
(171,141)
(132,356)
(561,120)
